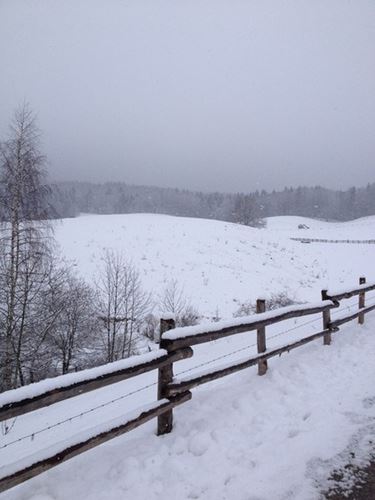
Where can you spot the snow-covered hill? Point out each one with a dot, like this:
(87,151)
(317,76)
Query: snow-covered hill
(218,264)
(242,437)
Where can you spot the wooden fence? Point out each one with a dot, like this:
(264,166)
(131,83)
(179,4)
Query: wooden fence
(175,344)
(320,240)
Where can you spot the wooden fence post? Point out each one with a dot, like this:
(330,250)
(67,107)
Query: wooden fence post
(361,301)
(261,339)
(326,320)
(165,376)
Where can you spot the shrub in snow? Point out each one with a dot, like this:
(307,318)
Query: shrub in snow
(151,326)
(280,299)
(174,301)
(275,301)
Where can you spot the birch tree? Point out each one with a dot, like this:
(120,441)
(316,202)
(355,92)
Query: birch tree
(24,240)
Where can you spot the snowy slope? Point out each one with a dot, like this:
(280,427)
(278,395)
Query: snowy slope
(243,437)
(219,264)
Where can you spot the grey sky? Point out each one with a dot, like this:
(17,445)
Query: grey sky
(203,94)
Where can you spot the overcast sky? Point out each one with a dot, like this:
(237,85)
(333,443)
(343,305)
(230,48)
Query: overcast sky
(203,94)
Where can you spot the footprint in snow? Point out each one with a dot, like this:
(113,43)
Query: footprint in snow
(368,403)
(199,444)
(293,433)
(179,446)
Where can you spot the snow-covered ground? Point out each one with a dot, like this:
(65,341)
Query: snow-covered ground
(244,436)
(219,264)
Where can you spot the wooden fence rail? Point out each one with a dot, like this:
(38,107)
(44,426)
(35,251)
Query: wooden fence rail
(175,345)
(77,386)
(340,295)
(192,335)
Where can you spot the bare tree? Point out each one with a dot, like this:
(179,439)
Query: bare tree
(246,210)
(174,301)
(24,238)
(72,333)
(122,304)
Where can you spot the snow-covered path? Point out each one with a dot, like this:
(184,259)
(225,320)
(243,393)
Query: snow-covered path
(244,437)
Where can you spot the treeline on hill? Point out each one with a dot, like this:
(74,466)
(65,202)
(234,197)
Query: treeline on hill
(68,199)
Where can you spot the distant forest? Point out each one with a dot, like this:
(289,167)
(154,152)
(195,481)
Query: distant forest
(69,199)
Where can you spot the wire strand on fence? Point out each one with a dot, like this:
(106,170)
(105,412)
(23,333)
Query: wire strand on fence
(248,346)
(78,415)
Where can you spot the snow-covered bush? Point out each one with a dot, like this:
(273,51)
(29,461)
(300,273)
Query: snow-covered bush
(151,327)
(275,301)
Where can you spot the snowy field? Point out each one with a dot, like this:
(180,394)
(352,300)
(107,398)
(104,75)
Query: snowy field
(243,437)
(219,264)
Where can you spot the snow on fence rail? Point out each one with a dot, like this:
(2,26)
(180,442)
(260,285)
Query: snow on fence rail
(47,392)
(193,335)
(175,345)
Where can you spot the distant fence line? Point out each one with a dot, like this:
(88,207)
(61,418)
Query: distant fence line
(320,240)
(175,344)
